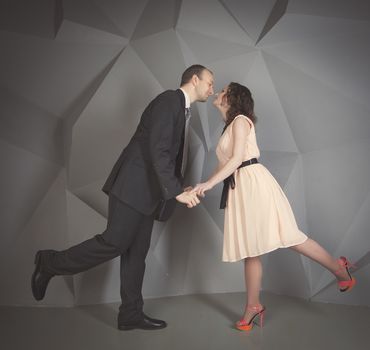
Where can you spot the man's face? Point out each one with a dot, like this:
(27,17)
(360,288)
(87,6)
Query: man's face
(204,86)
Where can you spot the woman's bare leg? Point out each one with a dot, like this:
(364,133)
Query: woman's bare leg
(310,248)
(316,252)
(253,279)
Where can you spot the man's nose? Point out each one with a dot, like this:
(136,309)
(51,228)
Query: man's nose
(211,92)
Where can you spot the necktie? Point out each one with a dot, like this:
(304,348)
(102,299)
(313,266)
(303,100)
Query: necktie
(186,141)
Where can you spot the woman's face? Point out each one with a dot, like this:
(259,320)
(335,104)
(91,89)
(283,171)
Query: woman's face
(221,100)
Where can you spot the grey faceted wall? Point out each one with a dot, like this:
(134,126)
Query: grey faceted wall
(75,76)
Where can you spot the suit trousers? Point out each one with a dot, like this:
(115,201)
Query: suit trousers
(127,235)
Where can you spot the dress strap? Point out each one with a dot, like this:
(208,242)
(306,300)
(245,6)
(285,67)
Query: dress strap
(240,115)
(244,116)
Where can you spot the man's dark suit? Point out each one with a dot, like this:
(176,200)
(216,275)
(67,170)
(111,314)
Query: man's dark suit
(146,175)
(147,171)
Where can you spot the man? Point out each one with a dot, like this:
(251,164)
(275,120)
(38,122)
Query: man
(143,185)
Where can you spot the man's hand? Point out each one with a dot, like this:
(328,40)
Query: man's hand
(187,189)
(188,198)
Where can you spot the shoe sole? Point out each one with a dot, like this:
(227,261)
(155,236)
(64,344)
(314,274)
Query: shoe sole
(129,328)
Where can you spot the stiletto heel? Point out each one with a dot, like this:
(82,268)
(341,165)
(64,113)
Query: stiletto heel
(243,325)
(262,315)
(345,286)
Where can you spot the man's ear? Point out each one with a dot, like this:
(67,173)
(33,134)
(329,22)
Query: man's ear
(194,79)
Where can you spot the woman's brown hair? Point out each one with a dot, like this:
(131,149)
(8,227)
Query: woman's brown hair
(240,100)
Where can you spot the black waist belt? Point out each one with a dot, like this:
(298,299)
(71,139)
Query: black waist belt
(230,182)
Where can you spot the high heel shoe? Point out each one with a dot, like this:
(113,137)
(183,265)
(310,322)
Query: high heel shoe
(259,310)
(345,286)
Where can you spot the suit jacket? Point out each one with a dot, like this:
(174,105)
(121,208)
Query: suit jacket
(147,175)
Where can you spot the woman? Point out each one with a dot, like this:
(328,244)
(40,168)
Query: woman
(258,217)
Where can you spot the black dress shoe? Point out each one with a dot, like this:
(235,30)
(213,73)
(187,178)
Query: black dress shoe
(40,279)
(146,323)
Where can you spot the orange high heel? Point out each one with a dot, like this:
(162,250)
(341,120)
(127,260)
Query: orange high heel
(345,286)
(243,325)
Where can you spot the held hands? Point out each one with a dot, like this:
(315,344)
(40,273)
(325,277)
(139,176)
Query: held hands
(190,194)
(188,197)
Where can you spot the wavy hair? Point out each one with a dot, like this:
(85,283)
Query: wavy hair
(240,101)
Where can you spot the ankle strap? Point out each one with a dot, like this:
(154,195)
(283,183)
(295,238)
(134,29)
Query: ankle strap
(344,263)
(255,308)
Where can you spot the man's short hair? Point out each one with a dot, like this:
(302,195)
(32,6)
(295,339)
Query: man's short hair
(196,69)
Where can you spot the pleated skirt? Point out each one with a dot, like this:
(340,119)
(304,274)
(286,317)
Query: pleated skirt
(258,216)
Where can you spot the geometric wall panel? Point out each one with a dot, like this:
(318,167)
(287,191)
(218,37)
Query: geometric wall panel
(347,74)
(327,182)
(25,178)
(19,118)
(123,14)
(78,33)
(162,54)
(281,266)
(321,109)
(212,19)
(229,68)
(295,191)
(90,14)
(217,49)
(273,127)
(55,73)
(113,111)
(39,17)
(166,11)
(356,9)
(256,19)
(204,260)
(46,227)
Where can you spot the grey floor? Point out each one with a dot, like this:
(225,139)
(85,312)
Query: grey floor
(195,322)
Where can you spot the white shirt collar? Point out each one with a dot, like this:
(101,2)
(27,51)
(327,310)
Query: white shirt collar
(187,99)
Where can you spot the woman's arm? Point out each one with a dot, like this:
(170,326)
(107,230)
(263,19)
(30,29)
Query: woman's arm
(240,131)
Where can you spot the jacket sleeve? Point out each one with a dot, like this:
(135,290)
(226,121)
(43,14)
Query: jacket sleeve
(161,141)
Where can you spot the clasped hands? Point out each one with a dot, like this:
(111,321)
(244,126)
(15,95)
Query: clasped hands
(191,195)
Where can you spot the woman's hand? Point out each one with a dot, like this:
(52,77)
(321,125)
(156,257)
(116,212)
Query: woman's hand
(199,189)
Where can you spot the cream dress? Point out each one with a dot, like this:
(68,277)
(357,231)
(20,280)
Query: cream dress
(258,216)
